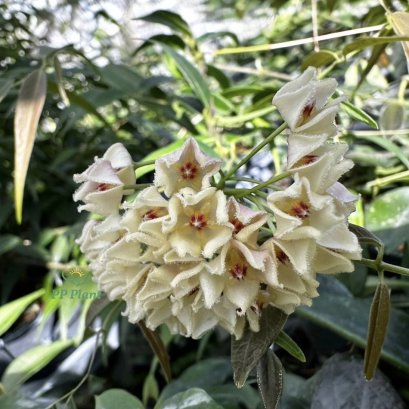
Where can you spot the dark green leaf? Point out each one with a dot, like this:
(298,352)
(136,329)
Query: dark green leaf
(358,114)
(5,86)
(192,76)
(171,40)
(377,329)
(117,398)
(169,19)
(340,385)
(8,242)
(287,343)
(248,350)
(59,78)
(388,216)
(270,379)
(347,316)
(194,398)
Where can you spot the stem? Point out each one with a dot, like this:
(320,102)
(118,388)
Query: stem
(373,264)
(137,186)
(145,163)
(72,391)
(260,186)
(256,149)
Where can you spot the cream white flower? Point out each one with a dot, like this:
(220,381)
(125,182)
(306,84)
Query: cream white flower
(198,222)
(246,222)
(102,183)
(323,166)
(186,167)
(303,99)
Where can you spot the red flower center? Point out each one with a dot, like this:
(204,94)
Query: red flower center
(238,271)
(300,210)
(150,215)
(282,257)
(102,187)
(198,221)
(188,171)
(238,225)
(306,112)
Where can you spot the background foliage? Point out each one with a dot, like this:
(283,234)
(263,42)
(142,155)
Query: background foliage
(151,95)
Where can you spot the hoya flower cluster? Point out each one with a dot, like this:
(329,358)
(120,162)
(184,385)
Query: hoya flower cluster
(184,254)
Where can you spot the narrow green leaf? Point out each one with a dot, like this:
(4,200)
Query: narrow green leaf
(287,343)
(30,362)
(5,86)
(117,398)
(377,329)
(168,19)
(10,312)
(238,120)
(248,350)
(30,103)
(358,114)
(191,74)
(59,78)
(8,242)
(150,389)
(158,348)
(270,379)
(365,236)
(319,58)
(365,42)
(389,146)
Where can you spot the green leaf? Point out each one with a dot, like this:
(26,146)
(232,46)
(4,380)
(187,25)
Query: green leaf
(389,146)
(339,385)
(319,58)
(192,76)
(347,316)
(238,120)
(168,19)
(365,42)
(158,348)
(193,398)
(10,312)
(117,398)
(358,114)
(392,116)
(270,379)
(155,155)
(248,350)
(377,329)
(5,86)
(29,106)
(60,83)
(30,362)
(8,242)
(150,389)
(388,217)
(287,343)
